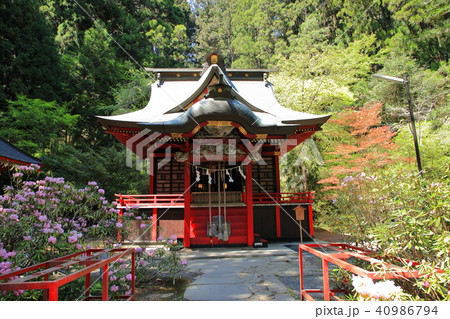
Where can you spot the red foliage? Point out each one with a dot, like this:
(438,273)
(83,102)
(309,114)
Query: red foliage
(369,150)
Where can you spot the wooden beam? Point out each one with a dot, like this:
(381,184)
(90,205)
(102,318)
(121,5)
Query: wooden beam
(155,224)
(277,190)
(311,220)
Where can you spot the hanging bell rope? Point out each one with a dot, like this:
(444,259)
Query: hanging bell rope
(242,173)
(229,175)
(225,224)
(220,231)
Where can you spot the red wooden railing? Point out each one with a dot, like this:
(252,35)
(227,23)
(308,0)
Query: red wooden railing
(65,271)
(177,200)
(338,254)
(152,200)
(282,198)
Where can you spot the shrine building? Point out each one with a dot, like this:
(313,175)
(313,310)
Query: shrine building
(211,140)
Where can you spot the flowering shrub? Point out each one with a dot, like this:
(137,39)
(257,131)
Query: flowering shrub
(161,262)
(47,217)
(399,215)
(386,290)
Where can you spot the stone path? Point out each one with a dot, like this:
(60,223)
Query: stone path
(252,274)
(241,278)
(249,274)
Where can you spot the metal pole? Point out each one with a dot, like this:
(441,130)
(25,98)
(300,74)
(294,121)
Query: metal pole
(405,82)
(413,125)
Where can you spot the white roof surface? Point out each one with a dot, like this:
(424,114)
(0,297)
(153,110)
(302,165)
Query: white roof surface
(169,98)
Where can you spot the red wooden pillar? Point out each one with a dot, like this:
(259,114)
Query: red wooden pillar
(155,224)
(105,283)
(151,185)
(300,270)
(133,273)
(249,190)
(53,293)
(187,205)
(310,214)
(326,281)
(119,232)
(278,190)
(87,283)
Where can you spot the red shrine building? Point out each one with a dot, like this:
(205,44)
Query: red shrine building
(210,140)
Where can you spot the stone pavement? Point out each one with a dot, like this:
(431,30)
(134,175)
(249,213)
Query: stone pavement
(249,273)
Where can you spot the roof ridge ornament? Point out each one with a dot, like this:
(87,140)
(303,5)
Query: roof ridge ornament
(214,58)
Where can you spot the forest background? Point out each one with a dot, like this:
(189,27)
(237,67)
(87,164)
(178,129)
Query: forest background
(64,61)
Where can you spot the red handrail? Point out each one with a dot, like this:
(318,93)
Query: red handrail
(177,200)
(151,200)
(29,279)
(280,198)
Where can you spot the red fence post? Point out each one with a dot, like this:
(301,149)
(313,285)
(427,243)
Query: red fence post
(53,293)
(105,283)
(326,282)
(302,284)
(133,272)
(155,224)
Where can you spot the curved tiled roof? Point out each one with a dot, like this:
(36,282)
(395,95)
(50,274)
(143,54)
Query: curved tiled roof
(10,153)
(173,98)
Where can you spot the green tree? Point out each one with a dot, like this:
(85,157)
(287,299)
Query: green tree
(29,61)
(37,126)
(106,164)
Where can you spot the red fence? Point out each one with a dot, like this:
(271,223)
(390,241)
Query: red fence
(177,200)
(149,201)
(283,198)
(341,252)
(92,259)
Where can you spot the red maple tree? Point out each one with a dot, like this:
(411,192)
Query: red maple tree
(366,147)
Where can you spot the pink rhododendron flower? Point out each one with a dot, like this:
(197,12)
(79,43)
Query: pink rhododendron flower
(72,239)
(129,277)
(78,246)
(114,288)
(426,284)
(119,225)
(173,237)
(42,218)
(101,191)
(142,225)
(52,239)
(183,262)
(138,250)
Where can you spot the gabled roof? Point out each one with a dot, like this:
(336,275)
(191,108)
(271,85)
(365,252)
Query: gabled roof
(10,153)
(177,90)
